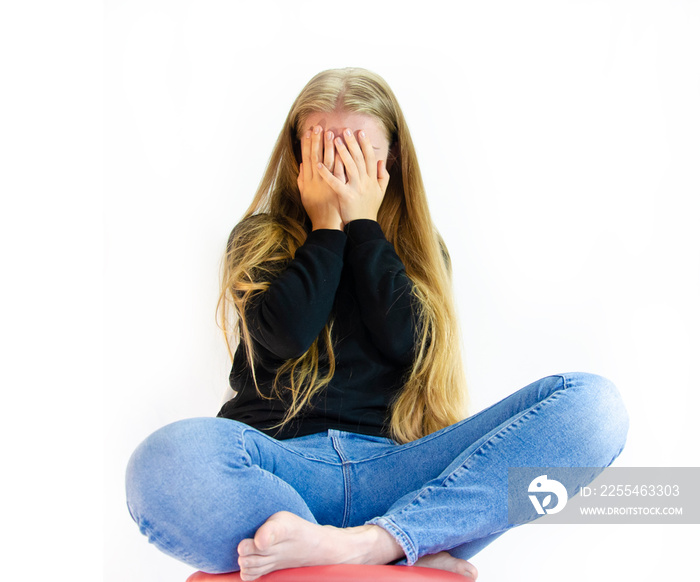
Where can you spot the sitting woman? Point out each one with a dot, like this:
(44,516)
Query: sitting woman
(349,440)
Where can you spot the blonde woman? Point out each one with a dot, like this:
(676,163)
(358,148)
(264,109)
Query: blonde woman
(349,438)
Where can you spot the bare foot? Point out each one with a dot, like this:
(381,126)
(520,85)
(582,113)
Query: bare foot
(286,540)
(443,561)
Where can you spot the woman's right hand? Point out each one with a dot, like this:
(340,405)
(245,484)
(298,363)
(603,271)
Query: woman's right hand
(319,199)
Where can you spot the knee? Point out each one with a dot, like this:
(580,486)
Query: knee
(601,416)
(174,483)
(171,459)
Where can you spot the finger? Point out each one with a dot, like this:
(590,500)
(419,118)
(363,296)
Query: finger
(316,145)
(300,177)
(330,179)
(355,150)
(339,170)
(328,151)
(348,161)
(382,175)
(306,156)
(369,158)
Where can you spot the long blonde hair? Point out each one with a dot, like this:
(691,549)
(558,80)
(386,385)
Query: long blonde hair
(434,394)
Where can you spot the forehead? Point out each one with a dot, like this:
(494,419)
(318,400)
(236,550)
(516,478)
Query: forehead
(337,121)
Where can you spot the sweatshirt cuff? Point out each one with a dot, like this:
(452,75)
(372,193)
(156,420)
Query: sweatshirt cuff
(329,238)
(363,229)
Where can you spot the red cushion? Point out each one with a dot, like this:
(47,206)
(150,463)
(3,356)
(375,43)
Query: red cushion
(342,573)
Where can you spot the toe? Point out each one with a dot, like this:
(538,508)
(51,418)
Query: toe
(265,537)
(270,532)
(250,563)
(247,547)
(471,570)
(252,573)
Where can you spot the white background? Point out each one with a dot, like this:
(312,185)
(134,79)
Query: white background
(559,146)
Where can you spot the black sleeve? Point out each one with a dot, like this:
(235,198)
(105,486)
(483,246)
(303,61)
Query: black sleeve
(383,290)
(288,316)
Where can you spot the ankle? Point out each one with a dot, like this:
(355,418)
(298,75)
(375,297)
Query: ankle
(382,547)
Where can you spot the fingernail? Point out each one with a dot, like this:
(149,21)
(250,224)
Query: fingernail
(348,132)
(319,165)
(329,135)
(317,129)
(362,134)
(307,135)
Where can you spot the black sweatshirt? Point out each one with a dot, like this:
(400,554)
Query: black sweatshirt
(356,276)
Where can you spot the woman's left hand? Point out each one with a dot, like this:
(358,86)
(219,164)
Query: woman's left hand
(367,180)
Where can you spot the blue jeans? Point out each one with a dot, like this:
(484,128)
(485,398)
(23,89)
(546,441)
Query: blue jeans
(199,486)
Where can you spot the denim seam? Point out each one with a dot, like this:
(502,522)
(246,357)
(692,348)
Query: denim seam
(346,481)
(446,430)
(264,473)
(422,493)
(449,478)
(500,434)
(244,448)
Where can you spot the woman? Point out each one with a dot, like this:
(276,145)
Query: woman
(349,440)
